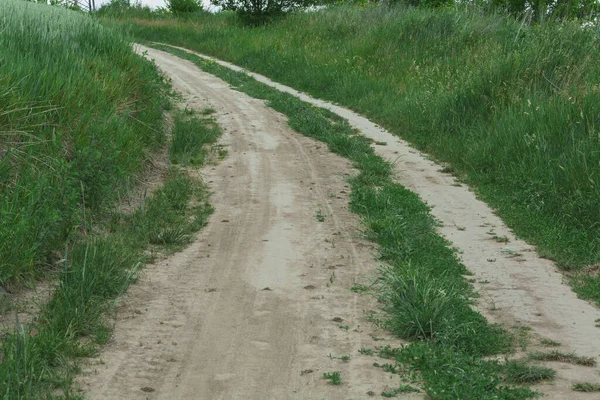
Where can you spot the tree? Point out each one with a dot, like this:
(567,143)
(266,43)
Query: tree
(183,6)
(260,11)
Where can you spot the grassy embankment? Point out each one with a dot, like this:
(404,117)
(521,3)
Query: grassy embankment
(79,115)
(422,291)
(512,108)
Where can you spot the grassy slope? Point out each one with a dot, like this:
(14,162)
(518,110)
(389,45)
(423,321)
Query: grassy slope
(513,108)
(422,291)
(78,111)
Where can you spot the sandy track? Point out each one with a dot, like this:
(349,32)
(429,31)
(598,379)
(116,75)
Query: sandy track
(250,304)
(517,286)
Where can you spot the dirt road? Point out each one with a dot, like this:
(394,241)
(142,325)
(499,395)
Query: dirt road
(255,306)
(517,287)
(247,311)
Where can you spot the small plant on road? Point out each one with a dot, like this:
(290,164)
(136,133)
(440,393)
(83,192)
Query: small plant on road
(366,351)
(320,217)
(334,378)
(519,372)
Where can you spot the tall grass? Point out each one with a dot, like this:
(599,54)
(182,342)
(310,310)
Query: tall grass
(78,112)
(513,108)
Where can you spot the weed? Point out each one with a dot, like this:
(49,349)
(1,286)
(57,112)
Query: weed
(334,378)
(345,358)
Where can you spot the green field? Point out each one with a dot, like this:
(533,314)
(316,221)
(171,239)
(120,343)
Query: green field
(513,108)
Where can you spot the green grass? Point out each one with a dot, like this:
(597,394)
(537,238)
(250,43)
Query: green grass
(79,112)
(512,108)
(564,357)
(190,138)
(586,387)
(518,372)
(365,351)
(41,358)
(423,292)
(334,378)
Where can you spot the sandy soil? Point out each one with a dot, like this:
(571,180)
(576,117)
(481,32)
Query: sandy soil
(517,286)
(254,308)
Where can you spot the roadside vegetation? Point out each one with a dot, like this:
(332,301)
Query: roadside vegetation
(79,112)
(511,106)
(423,291)
(80,115)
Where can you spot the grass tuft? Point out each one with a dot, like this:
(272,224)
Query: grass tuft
(559,356)
(418,307)
(586,387)
(334,378)
(191,135)
(519,372)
